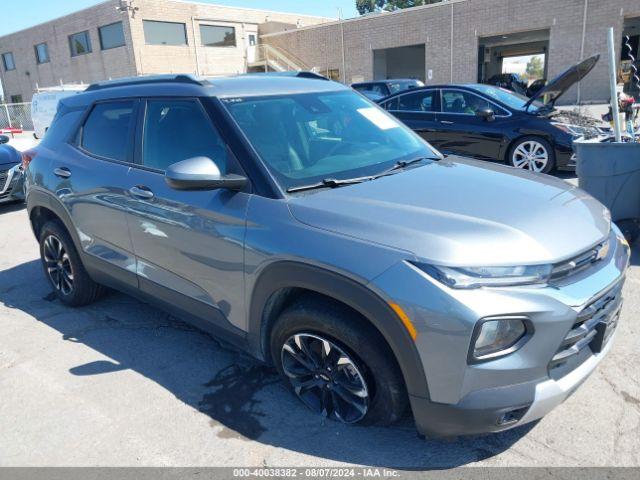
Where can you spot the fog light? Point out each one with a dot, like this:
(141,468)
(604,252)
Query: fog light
(496,337)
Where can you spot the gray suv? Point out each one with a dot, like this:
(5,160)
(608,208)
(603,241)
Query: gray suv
(304,224)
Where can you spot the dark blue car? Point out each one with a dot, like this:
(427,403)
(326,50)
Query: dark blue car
(11,180)
(491,123)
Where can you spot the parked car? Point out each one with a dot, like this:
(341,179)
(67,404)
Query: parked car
(44,104)
(491,123)
(384,88)
(509,81)
(11,180)
(317,232)
(371,95)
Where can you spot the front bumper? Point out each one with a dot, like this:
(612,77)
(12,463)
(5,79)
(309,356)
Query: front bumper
(12,185)
(464,399)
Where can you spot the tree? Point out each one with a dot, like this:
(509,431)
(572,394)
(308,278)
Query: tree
(535,68)
(370,6)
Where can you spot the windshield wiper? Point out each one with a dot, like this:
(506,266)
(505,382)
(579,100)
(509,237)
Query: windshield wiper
(329,183)
(401,165)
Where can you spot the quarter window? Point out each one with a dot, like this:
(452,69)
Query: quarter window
(80,44)
(177,130)
(42,53)
(8,61)
(164,33)
(107,131)
(424,101)
(217,36)
(111,36)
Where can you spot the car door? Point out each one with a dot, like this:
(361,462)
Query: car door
(91,176)
(418,111)
(189,245)
(463,132)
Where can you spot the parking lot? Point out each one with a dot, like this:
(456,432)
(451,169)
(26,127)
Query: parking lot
(120,383)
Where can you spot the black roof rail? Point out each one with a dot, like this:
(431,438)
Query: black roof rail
(292,73)
(129,81)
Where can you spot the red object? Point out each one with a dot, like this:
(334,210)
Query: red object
(10,131)
(27,157)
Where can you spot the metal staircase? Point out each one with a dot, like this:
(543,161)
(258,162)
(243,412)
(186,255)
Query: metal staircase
(267,58)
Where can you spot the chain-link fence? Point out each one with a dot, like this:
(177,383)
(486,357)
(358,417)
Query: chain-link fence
(16,115)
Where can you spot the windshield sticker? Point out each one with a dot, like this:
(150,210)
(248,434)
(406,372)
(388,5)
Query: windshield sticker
(379,119)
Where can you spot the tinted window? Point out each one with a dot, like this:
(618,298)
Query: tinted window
(391,104)
(42,53)
(512,99)
(457,101)
(176,130)
(111,36)
(215,36)
(7,60)
(164,33)
(79,44)
(107,131)
(424,101)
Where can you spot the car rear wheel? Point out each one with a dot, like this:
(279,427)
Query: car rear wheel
(63,267)
(532,153)
(314,345)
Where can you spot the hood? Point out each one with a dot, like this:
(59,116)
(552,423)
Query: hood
(557,87)
(463,213)
(9,156)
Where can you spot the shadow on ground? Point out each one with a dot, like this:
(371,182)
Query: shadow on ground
(242,398)
(12,207)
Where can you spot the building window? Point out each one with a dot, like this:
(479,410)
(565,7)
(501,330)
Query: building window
(111,36)
(42,53)
(16,98)
(217,36)
(8,61)
(80,43)
(252,39)
(164,33)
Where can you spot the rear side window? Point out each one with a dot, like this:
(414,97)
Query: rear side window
(176,130)
(107,130)
(424,101)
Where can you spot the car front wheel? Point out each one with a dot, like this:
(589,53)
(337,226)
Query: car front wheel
(532,153)
(337,364)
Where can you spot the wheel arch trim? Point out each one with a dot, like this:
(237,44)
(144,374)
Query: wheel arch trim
(292,274)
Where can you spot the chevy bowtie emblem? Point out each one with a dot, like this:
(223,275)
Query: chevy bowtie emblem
(602,251)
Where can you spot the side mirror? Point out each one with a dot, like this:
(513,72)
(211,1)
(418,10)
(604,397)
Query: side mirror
(4,139)
(486,113)
(201,173)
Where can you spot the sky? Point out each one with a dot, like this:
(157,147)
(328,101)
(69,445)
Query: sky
(26,13)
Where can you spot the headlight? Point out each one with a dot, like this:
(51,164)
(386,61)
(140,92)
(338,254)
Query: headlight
(496,337)
(576,130)
(476,277)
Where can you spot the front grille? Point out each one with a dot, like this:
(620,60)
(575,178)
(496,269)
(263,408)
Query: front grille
(3,179)
(580,262)
(590,328)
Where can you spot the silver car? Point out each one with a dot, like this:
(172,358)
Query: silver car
(303,223)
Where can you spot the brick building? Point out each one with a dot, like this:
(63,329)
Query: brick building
(135,37)
(467,40)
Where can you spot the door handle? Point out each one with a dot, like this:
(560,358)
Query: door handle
(446,122)
(141,192)
(62,172)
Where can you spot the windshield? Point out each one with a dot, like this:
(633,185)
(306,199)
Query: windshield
(307,138)
(509,98)
(402,85)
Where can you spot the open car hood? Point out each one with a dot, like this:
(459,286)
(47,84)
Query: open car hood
(557,87)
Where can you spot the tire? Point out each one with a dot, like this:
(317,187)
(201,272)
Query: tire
(309,325)
(532,153)
(63,268)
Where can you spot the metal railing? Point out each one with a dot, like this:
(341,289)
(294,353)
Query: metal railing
(277,59)
(16,115)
